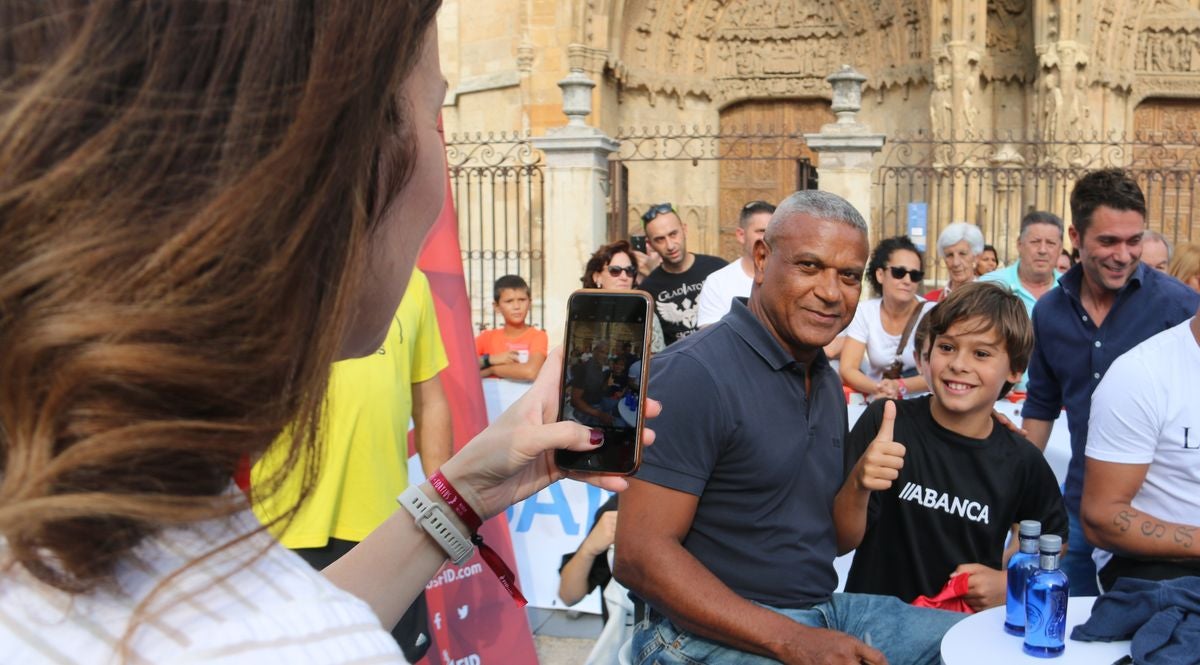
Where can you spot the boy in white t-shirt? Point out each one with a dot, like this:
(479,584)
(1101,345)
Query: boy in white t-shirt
(1141,487)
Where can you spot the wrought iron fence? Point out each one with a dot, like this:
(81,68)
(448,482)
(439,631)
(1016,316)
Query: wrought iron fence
(745,162)
(993,182)
(498,181)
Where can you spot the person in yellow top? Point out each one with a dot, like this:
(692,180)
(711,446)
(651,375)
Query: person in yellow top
(364,436)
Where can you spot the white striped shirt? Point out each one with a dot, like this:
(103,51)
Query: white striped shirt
(276,609)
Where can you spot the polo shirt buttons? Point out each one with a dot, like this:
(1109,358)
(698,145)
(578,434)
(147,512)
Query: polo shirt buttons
(1097,374)
(1097,344)
(1085,317)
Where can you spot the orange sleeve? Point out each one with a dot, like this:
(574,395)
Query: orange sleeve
(539,342)
(481,343)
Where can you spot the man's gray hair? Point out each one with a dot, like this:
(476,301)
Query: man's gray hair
(1155,235)
(1040,217)
(958,232)
(817,204)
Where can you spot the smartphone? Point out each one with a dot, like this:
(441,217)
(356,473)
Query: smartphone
(638,243)
(604,376)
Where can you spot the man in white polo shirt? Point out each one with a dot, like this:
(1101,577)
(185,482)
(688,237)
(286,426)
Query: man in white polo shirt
(1141,489)
(734,280)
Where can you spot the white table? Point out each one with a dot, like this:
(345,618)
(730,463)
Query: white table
(980,640)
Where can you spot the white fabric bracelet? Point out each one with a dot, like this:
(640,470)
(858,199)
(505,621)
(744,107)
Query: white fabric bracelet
(430,517)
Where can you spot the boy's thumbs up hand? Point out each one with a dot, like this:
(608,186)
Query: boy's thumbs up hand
(883,459)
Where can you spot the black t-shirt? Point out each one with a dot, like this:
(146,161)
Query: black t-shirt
(676,295)
(955,502)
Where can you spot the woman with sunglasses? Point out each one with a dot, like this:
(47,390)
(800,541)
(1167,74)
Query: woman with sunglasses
(884,327)
(614,266)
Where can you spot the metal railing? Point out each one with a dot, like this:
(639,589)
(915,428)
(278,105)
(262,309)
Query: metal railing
(993,182)
(498,181)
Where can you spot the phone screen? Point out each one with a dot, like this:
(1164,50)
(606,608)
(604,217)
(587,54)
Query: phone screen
(638,243)
(604,376)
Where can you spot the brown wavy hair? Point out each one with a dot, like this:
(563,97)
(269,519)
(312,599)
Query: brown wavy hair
(603,257)
(186,191)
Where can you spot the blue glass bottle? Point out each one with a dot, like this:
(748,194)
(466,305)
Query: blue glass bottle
(1046,603)
(1020,566)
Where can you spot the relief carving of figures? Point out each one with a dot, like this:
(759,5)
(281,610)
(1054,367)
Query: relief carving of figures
(912,24)
(758,14)
(940,108)
(970,85)
(1052,101)
(1079,104)
(1008,20)
(1167,52)
(746,58)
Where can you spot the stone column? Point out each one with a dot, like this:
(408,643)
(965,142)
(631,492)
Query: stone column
(845,147)
(575,195)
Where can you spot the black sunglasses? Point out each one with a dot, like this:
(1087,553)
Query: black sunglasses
(656,210)
(898,272)
(616,271)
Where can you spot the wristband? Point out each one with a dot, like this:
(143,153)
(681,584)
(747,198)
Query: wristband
(469,517)
(487,360)
(901,389)
(431,518)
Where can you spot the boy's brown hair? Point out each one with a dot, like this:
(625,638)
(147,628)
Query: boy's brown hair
(921,337)
(996,307)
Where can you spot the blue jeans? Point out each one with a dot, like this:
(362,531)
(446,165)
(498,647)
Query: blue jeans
(905,634)
(1078,564)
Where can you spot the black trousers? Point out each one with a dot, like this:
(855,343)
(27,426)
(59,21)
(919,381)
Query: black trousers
(412,633)
(1146,569)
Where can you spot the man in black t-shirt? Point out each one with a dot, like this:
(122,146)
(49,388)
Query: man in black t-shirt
(676,283)
(935,484)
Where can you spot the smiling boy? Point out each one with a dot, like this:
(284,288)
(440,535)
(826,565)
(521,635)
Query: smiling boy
(935,484)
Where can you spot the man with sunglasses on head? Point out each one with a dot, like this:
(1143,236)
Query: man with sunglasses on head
(734,280)
(675,285)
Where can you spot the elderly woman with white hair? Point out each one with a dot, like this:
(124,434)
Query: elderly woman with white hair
(959,244)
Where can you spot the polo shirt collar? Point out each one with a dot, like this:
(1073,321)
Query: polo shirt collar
(757,337)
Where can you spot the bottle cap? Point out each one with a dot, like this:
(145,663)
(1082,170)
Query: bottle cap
(1031,528)
(1050,544)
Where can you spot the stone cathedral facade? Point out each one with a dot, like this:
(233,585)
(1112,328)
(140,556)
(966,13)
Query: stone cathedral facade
(1011,75)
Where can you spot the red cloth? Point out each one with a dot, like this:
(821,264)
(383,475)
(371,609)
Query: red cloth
(933,296)
(472,619)
(950,597)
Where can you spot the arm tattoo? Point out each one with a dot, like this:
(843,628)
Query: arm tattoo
(1152,529)
(1184,536)
(1124,520)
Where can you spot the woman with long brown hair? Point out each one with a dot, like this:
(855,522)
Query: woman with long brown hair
(203,204)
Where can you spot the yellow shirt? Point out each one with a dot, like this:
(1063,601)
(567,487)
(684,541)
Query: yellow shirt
(368,408)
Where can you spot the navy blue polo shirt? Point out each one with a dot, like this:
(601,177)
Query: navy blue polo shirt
(739,431)
(1071,355)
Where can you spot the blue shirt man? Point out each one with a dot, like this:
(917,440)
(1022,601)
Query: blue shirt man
(1104,306)
(727,529)
(1010,276)
(1034,274)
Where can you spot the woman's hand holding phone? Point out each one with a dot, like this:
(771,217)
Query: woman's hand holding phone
(514,457)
